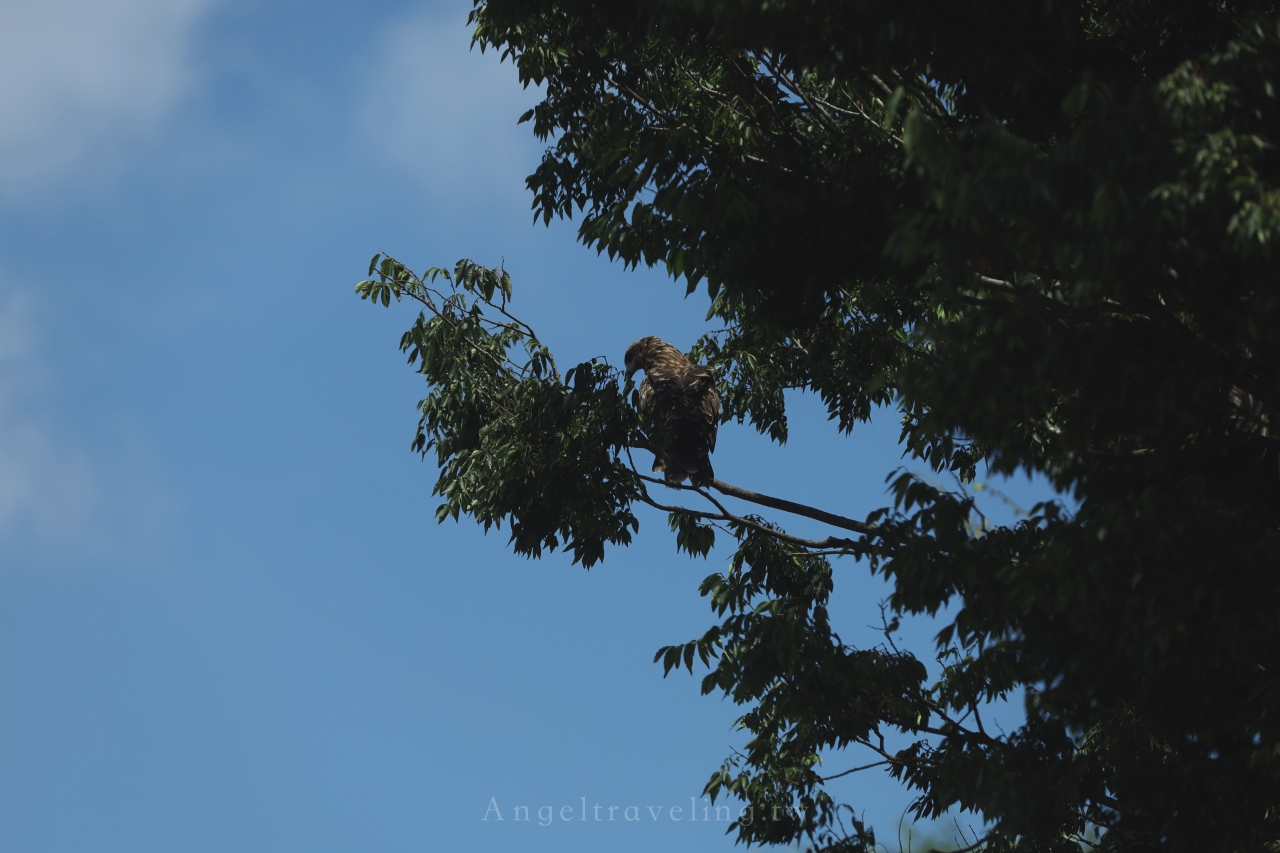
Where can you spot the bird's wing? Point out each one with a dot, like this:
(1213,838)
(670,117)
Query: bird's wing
(665,393)
(711,416)
(699,401)
(660,398)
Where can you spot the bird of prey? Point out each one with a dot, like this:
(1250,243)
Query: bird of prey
(679,408)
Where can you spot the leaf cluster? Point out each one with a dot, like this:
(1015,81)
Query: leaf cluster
(1045,233)
(507,429)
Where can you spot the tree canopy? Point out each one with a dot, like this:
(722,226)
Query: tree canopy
(1045,233)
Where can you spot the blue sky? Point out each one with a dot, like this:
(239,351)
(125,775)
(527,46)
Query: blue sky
(228,619)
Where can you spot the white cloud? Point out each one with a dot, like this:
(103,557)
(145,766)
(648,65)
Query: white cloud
(81,77)
(446,114)
(60,498)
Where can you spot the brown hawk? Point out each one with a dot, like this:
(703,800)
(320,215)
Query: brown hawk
(679,408)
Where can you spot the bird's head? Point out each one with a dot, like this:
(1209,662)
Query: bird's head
(637,357)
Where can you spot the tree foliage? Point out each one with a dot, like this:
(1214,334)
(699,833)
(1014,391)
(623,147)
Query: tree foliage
(1046,233)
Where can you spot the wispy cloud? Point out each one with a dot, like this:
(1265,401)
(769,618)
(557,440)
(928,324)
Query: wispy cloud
(83,79)
(61,497)
(445,114)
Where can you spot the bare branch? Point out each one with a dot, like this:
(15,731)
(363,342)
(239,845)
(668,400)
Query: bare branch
(858,769)
(527,329)
(640,443)
(794,508)
(884,87)
(829,542)
(924,94)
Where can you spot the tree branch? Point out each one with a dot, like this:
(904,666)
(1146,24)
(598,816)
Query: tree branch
(794,508)
(829,542)
(858,769)
(640,443)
